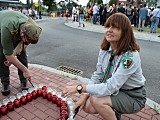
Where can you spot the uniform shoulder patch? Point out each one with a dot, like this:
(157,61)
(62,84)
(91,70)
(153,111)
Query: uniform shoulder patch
(127,60)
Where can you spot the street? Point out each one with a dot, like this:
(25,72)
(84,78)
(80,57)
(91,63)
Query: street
(63,45)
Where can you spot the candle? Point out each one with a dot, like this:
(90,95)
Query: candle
(69,101)
(3,110)
(49,89)
(44,88)
(64,114)
(12,98)
(34,94)
(59,102)
(49,96)
(63,103)
(24,92)
(5,101)
(23,100)
(44,94)
(40,85)
(53,92)
(29,97)
(35,87)
(59,94)
(63,108)
(19,95)
(10,106)
(17,103)
(54,99)
(30,90)
(39,92)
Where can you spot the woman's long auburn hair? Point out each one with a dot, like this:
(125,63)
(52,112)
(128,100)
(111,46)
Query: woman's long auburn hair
(127,41)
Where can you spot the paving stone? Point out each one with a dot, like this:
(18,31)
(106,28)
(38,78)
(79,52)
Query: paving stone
(42,109)
(40,114)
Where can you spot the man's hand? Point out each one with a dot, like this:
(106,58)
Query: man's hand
(27,75)
(7,63)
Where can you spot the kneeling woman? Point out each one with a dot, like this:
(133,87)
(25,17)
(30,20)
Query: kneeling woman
(117,86)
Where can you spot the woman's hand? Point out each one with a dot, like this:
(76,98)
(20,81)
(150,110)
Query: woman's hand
(81,102)
(69,90)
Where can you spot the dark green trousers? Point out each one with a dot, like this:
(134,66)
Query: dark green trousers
(4,70)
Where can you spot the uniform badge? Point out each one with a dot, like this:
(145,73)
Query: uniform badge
(127,61)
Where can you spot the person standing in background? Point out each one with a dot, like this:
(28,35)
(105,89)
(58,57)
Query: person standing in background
(74,13)
(66,14)
(101,14)
(143,12)
(155,22)
(81,16)
(95,13)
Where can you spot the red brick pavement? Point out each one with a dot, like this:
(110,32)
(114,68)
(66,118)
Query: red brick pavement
(42,109)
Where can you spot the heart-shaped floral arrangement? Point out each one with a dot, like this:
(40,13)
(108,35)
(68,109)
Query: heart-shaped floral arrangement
(66,104)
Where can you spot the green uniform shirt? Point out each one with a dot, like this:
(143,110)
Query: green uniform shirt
(10,22)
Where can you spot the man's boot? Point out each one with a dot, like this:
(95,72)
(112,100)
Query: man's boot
(5,90)
(24,85)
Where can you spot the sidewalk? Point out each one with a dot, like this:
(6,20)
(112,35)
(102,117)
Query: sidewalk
(42,109)
(100,29)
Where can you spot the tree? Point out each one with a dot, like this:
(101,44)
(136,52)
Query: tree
(92,2)
(51,4)
(31,4)
(28,3)
(111,2)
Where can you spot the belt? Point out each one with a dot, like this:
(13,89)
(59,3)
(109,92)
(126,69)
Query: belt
(136,88)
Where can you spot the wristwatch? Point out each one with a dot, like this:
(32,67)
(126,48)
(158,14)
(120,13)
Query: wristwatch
(79,88)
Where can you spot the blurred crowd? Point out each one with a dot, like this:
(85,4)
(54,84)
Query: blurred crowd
(138,16)
(28,12)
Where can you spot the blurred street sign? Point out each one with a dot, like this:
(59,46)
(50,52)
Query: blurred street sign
(36,4)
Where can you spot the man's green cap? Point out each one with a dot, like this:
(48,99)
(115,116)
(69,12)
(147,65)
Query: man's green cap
(32,30)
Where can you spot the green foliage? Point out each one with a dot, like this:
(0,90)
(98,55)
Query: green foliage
(99,1)
(91,2)
(51,4)
(75,78)
(113,2)
(28,3)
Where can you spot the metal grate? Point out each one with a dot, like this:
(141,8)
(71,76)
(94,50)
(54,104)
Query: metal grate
(70,70)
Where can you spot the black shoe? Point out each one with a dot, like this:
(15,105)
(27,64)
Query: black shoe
(83,25)
(139,30)
(159,36)
(5,90)
(24,85)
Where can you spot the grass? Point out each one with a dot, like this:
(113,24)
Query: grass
(147,29)
(75,78)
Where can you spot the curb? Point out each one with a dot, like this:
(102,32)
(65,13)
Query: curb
(138,35)
(149,102)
